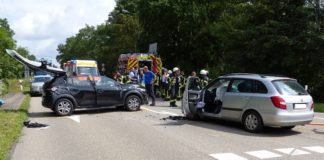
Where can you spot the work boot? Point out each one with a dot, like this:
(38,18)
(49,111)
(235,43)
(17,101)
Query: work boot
(172,104)
(153,104)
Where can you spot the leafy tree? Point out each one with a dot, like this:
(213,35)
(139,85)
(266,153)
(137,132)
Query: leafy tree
(10,68)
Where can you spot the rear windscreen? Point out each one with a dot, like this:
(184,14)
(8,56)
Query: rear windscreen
(289,87)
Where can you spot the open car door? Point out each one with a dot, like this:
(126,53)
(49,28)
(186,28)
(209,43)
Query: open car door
(33,65)
(191,98)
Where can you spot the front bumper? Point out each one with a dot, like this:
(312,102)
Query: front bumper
(36,90)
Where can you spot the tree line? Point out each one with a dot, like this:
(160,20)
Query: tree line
(10,68)
(256,36)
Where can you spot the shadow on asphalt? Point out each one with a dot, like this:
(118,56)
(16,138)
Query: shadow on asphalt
(228,126)
(76,112)
(317,132)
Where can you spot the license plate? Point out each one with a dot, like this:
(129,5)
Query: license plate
(300,106)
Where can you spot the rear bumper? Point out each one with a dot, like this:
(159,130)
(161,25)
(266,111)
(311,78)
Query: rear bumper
(49,99)
(36,91)
(288,119)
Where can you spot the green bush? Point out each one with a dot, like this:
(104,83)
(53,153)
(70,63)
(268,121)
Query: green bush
(319,107)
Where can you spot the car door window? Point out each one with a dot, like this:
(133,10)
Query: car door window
(105,82)
(81,81)
(217,89)
(242,86)
(260,87)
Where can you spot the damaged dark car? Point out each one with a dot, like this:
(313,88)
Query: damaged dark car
(63,94)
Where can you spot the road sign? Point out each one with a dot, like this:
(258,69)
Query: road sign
(153,48)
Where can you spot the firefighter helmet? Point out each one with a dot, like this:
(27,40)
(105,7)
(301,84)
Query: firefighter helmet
(170,72)
(175,69)
(203,72)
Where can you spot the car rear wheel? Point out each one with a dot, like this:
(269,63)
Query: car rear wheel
(63,107)
(252,122)
(133,103)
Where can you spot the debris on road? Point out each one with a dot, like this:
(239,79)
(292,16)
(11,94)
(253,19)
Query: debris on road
(34,125)
(174,118)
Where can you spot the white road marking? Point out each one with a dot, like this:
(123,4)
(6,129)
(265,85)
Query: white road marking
(227,156)
(42,128)
(263,154)
(162,112)
(75,118)
(318,149)
(319,118)
(292,151)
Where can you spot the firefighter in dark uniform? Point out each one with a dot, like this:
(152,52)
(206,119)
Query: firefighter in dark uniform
(175,85)
(157,86)
(182,85)
(204,78)
(169,79)
(118,77)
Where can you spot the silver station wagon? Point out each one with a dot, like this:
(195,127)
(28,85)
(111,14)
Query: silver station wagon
(254,100)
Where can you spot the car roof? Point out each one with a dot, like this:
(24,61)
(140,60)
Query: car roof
(270,77)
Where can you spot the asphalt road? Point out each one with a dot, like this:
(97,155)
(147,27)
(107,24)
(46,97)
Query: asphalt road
(111,134)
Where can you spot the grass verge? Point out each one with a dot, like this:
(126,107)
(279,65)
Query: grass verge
(319,107)
(11,123)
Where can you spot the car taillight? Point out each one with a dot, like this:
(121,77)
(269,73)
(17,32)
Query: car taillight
(278,102)
(312,107)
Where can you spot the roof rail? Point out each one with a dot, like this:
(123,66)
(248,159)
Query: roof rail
(274,75)
(261,75)
(232,74)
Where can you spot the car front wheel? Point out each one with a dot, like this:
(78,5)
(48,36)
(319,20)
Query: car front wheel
(252,122)
(133,103)
(63,107)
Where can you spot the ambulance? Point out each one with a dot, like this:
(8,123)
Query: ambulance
(81,68)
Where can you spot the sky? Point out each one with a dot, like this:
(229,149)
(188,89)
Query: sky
(40,25)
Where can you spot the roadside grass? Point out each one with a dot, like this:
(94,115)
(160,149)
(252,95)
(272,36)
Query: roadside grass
(319,107)
(13,86)
(11,123)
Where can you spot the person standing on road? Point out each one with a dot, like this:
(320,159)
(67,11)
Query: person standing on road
(133,75)
(175,84)
(193,74)
(204,78)
(149,82)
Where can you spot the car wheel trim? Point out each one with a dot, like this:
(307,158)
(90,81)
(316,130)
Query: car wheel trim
(64,107)
(133,103)
(251,122)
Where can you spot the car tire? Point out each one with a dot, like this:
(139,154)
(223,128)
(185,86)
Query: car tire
(252,122)
(288,127)
(133,103)
(63,107)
